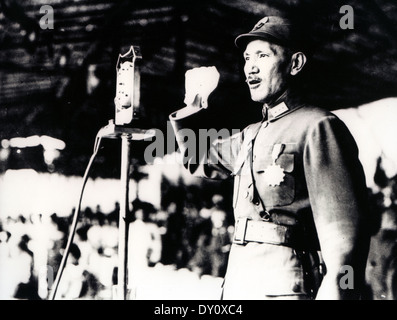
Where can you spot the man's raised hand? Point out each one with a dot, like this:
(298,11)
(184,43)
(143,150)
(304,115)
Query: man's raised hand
(199,84)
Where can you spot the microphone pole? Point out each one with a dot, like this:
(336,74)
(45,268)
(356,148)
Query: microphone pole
(126,110)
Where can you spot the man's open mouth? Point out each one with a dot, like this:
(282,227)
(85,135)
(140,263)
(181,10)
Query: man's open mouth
(254,82)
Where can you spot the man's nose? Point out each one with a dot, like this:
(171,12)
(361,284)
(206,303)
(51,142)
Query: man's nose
(251,67)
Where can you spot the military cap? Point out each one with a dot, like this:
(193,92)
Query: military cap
(279,30)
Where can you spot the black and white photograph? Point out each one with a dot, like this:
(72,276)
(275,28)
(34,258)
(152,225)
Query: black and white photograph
(198,150)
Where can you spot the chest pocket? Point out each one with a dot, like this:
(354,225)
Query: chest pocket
(279,195)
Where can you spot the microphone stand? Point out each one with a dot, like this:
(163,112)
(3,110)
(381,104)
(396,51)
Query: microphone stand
(127,135)
(127,108)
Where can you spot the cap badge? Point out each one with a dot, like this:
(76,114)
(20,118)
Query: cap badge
(261,23)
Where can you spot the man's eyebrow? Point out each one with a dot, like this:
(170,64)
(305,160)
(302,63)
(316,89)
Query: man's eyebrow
(259,51)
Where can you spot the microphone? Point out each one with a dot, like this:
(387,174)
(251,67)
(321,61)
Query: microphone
(127,87)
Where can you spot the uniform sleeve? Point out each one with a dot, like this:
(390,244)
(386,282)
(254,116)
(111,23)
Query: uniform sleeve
(205,153)
(338,195)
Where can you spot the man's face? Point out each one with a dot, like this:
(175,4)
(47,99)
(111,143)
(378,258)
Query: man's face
(266,69)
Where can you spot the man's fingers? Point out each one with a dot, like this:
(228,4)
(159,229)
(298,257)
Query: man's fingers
(202,81)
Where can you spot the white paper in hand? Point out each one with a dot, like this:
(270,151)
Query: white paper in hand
(200,81)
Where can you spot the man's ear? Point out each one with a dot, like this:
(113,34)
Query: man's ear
(298,60)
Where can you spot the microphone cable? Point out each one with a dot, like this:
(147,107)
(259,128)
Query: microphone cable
(54,287)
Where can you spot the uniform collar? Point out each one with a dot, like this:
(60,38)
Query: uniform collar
(276,111)
(282,107)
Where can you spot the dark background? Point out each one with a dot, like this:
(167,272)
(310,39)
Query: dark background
(43,79)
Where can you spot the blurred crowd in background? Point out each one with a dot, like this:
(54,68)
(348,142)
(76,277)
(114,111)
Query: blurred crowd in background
(191,235)
(382,259)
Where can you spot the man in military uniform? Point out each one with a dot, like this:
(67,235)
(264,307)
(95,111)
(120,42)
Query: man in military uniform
(299,188)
